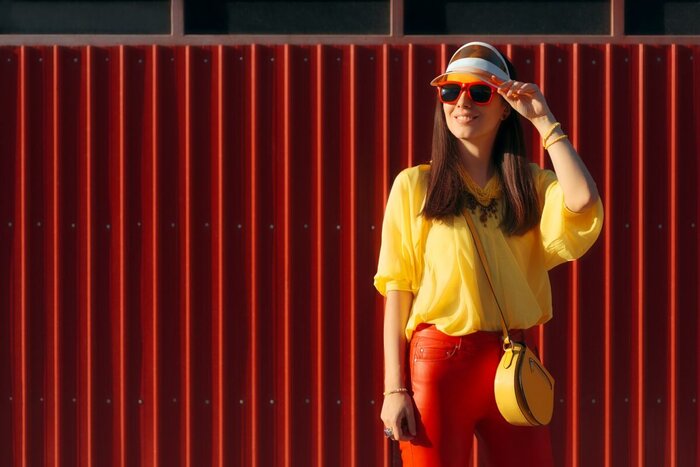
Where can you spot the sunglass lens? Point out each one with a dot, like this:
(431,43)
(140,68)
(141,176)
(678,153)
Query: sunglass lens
(480,93)
(450,92)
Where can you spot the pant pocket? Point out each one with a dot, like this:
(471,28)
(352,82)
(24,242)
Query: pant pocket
(426,349)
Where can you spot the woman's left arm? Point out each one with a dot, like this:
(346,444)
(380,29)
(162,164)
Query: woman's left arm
(577,184)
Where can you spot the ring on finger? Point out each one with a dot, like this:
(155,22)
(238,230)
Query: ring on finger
(388,432)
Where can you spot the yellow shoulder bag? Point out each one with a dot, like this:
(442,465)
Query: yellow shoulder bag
(523,387)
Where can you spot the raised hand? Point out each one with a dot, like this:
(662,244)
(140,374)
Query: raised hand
(525,98)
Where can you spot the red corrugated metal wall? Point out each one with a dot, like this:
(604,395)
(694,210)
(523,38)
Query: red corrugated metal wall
(188,237)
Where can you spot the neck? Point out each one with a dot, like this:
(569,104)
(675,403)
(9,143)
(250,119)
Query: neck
(476,159)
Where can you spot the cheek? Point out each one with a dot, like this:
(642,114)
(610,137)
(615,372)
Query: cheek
(502,105)
(447,110)
(496,110)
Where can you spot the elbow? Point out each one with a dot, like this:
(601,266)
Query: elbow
(582,199)
(582,203)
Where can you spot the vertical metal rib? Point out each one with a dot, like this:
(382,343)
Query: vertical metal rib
(53,456)
(218,264)
(319,272)
(120,449)
(388,445)
(185,224)
(319,400)
(543,82)
(541,161)
(20,375)
(575,351)
(353,256)
(153,238)
(639,363)
(410,105)
(253,300)
(672,448)
(286,251)
(85,395)
(608,237)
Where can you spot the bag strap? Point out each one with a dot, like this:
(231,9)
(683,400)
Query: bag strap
(482,257)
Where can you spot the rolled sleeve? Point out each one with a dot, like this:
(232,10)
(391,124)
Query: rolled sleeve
(396,264)
(566,235)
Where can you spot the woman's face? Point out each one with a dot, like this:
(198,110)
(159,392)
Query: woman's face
(469,121)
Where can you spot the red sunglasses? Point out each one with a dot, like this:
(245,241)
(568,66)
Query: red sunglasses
(479,92)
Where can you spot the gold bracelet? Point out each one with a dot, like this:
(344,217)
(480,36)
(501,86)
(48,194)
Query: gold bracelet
(555,140)
(549,133)
(395,391)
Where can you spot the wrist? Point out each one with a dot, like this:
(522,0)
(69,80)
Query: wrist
(398,390)
(390,385)
(543,122)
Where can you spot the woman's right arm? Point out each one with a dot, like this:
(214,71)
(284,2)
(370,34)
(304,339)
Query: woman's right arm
(398,406)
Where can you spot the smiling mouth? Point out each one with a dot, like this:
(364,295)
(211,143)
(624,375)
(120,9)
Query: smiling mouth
(465,118)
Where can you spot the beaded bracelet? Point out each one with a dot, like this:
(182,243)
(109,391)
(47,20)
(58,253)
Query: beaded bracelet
(395,391)
(555,140)
(549,133)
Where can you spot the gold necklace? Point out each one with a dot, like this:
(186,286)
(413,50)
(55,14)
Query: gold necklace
(486,211)
(483,199)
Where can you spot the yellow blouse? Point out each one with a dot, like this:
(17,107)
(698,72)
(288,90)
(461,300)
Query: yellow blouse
(438,261)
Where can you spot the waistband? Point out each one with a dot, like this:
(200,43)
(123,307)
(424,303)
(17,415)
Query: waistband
(429,330)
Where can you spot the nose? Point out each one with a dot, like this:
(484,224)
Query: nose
(464,100)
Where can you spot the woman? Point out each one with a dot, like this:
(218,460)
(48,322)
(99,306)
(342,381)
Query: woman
(441,314)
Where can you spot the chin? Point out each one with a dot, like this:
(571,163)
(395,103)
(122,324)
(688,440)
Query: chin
(464,133)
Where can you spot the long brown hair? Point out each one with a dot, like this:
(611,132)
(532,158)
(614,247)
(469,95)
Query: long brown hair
(445,196)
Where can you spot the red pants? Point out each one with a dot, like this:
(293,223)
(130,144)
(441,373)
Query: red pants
(452,384)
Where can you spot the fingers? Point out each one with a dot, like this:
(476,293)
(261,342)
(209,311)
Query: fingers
(506,89)
(397,414)
(514,89)
(407,424)
(398,432)
(395,425)
(496,80)
(404,431)
(410,417)
(511,89)
(403,427)
(506,85)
